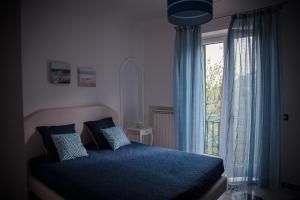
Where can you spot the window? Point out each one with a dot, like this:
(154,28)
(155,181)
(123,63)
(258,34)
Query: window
(213,51)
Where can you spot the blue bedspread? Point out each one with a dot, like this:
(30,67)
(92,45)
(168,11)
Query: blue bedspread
(133,172)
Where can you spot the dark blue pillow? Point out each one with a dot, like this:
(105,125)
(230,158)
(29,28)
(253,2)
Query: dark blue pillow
(96,133)
(47,131)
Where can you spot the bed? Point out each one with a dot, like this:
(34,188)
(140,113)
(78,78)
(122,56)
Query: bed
(135,171)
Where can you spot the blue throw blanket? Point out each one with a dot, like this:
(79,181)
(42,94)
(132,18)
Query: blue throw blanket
(133,172)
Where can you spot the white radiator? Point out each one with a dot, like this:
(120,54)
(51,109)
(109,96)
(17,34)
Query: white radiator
(162,122)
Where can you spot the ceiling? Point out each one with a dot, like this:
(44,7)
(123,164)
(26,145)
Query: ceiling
(154,8)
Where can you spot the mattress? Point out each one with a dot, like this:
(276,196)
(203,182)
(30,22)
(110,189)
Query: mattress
(135,171)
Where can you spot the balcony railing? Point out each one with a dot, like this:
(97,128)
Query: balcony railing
(211,136)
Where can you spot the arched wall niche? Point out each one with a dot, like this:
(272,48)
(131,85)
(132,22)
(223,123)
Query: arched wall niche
(131,94)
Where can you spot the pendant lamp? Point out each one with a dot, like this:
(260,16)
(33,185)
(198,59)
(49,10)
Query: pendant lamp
(189,12)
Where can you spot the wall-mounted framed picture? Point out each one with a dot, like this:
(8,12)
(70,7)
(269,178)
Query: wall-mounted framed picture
(86,77)
(59,72)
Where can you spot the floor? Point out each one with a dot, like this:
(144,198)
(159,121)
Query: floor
(256,193)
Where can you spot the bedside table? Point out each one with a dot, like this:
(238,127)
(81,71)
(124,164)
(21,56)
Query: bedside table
(140,133)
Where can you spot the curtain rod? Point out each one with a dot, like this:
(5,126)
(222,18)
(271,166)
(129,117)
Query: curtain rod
(275,5)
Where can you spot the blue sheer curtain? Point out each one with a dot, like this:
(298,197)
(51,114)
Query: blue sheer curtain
(250,117)
(189,100)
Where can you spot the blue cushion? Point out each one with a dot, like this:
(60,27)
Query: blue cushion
(116,137)
(96,133)
(47,131)
(69,146)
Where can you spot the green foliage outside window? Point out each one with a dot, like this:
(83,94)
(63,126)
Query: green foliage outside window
(214,76)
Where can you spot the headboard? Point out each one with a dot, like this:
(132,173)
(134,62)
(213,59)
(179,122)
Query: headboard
(61,116)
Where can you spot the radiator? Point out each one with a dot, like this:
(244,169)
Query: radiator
(162,122)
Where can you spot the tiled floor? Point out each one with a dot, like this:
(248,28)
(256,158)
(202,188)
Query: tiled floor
(256,193)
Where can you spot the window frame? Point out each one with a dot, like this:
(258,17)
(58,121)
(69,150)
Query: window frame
(214,37)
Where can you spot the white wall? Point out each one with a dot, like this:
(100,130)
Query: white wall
(158,58)
(158,43)
(81,33)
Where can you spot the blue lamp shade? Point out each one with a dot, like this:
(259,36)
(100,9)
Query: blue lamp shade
(190,12)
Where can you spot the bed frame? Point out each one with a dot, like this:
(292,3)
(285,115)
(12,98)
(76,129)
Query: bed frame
(77,115)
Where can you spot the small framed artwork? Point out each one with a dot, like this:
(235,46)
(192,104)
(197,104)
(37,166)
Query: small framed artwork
(60,72)
(86,77)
